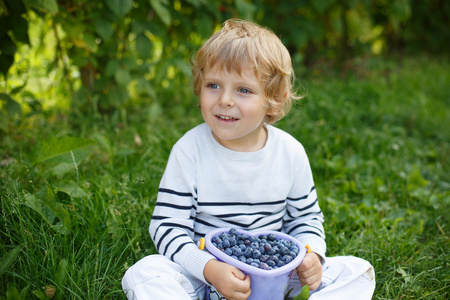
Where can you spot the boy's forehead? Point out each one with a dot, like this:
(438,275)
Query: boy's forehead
(241,70)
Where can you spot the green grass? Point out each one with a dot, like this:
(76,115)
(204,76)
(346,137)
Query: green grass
(378,140)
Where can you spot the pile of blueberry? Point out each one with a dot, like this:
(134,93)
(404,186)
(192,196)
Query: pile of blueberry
(266,252)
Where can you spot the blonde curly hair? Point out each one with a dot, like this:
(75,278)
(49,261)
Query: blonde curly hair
(240,44)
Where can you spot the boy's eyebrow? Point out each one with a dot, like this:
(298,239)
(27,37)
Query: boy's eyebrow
(237,81)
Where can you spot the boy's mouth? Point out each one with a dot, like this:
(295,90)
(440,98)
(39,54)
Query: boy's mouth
(226,118)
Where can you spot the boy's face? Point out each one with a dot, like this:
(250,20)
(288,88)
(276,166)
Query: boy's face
(232,106)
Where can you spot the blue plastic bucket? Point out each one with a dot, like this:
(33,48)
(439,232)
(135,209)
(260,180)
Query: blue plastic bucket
(265,284)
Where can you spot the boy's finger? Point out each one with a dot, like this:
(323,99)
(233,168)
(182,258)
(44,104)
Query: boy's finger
(238,274)
(244,285)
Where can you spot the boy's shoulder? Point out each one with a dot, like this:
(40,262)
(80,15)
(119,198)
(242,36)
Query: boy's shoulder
(283,138)
(193,137)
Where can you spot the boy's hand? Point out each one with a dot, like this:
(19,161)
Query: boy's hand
(228,280)
(310,271)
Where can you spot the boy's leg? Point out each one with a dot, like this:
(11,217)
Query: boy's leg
(343,277)
(157,277)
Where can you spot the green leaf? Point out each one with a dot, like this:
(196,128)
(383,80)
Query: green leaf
(162,11)
(103,28)
(122,77)
(111,67)
(89,41)
(144,47)
(48,208)
(120,7)
(20,30)
(62,145)
(40,295)
(12,293)
(72,189)
(61,273)
(304,293)
(245,9)
(8,259)
(4,121)
(50,6)
(322,5)
(11,106)
(117,96)
(6,62)
(7,46)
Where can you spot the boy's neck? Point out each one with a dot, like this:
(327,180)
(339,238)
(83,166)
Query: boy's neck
(248,143)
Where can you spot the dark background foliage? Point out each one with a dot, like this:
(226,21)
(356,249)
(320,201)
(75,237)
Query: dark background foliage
(140,49)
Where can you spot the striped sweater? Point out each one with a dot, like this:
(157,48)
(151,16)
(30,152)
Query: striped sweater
(206,186)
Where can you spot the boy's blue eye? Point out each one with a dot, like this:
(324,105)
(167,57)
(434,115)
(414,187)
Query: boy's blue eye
(244,91)
(213,86)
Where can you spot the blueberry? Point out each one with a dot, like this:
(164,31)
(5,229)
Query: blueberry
(264,266)
(232,231)
(263,237)
(228,252)
(243,259)
(249,260)
(237,251)
(280,263)
(284,251)
(270,263)
(271,237)
(274,258)
(287,259)
(253,264)
(226,243)
(256,253)
(242,237)
(264,258)
(248,252)
(254,245)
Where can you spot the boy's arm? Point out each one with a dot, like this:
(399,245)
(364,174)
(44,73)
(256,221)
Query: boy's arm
(172,224)
(303,219)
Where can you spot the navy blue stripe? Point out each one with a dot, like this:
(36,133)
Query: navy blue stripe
(293,219)
(179,248)
(312,232)
(264,213)
(303,197)
(161,190)
(162,238)
(174,205)
(169,224)
(304,215)
(170,242)
(301,225)
(240,203)
(307,207)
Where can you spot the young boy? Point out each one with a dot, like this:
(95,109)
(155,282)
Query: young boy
(237,170)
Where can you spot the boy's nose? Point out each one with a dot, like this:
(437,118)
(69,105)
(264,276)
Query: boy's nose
(226,99)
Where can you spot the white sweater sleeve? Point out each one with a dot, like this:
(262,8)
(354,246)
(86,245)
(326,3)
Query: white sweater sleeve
(303,219)
(172,224)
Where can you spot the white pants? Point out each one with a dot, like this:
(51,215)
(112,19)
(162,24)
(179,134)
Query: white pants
(156,277)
